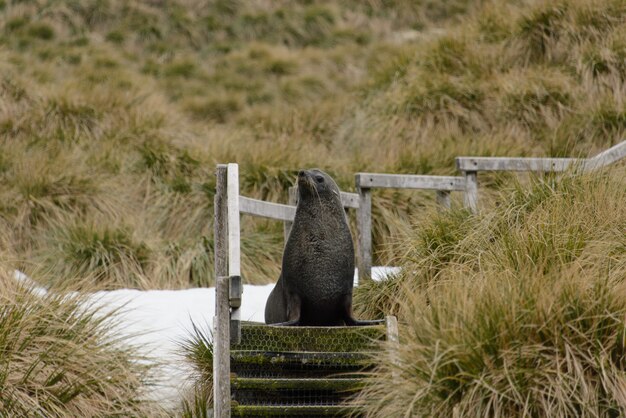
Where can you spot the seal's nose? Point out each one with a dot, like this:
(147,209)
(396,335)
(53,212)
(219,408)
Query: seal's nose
(301,173)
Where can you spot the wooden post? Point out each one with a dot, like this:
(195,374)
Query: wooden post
(234,244)
(293,201)
(221,350)
(235,290)
(471,190)
(391,324)
(443,198)
(393,339)
(234,257)
(364,227)
(221,328)
(220,224)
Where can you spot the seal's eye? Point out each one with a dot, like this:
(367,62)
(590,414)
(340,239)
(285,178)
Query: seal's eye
(319,179)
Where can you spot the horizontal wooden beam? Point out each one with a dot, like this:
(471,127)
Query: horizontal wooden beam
(266,209)
(515,164)
(350,200)
(606,157)
(409,181)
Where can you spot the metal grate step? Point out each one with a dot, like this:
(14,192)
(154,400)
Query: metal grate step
(293,391)
(299,364)
(299,371)
(261,337)
(288,411)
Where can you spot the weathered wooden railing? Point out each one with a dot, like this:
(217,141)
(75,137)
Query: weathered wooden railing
(365,182)
(470,166)
(228,206)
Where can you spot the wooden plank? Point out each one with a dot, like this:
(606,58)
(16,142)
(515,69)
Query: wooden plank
(265,209)
(409,181)
(220,223)
(234,247)
(443,198)
(364,226)
(391,325)
(221,350)
(609,156)
(221,355)
(606,157)
(393,339)
(350,200)
(234,240)
(514,164)
(471,191)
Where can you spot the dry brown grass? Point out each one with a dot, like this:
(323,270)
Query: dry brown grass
(60,358)
(113,115)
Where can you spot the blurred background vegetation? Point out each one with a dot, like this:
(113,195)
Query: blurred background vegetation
(113,115)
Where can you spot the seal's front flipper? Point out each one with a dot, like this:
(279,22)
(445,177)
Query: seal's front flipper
(294,306)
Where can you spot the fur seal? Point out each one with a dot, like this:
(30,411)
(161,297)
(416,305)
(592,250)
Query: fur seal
(315,284)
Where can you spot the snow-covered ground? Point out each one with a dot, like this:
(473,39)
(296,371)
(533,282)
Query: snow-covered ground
(158,320)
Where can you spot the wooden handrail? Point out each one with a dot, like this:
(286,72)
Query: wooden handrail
(265,209)
(514,164)
(606,157)
(470,166)
(408,181)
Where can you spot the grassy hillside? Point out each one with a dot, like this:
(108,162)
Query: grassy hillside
(113,115)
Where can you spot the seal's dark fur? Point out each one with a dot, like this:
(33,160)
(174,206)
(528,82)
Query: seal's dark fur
(315,285)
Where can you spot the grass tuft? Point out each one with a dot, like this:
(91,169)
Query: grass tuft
(110,255)
(198,350)
(61,359)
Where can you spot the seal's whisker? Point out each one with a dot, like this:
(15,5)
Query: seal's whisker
(319,199)
(311,185)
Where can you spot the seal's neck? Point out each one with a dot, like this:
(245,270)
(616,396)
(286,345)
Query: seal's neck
(322,214)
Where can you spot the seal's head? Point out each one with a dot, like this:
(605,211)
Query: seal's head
(315,183)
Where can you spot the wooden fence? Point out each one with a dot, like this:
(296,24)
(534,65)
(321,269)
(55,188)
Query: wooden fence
(470,166)
(365,182)
(468,184)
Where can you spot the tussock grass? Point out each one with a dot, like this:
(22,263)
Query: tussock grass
(516,312)
(198,350)
(60,357)
(111,256)
(113,115)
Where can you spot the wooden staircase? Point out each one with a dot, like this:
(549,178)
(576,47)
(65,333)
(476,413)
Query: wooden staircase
(299,371)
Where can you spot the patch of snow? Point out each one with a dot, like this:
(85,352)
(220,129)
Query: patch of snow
(29,283)
(379,273)
(157,321)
